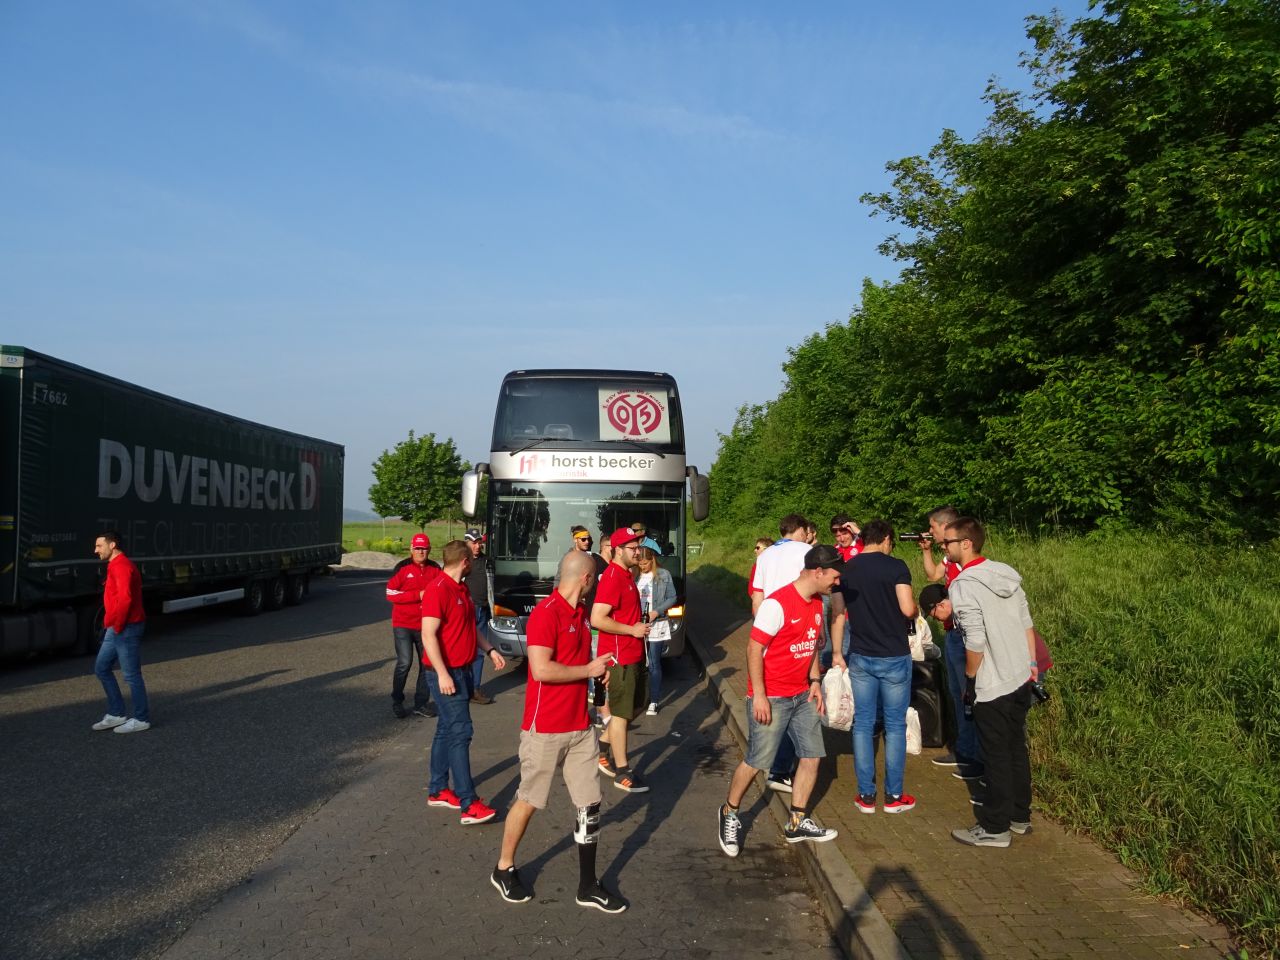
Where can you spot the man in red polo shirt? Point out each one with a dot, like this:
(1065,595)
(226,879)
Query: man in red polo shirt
(555,733)
(616,614)
(449,641)
(784,696)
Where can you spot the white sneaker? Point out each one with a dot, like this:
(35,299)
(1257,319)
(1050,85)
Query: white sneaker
(108,721)
(652,711)
(133,725)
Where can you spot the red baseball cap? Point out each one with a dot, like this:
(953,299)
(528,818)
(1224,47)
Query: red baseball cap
(421,540)
(623,536)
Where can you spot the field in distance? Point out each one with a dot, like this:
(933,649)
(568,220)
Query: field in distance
(393,536)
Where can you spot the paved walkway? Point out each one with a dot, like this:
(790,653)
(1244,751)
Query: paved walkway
(377,875)
(900,886)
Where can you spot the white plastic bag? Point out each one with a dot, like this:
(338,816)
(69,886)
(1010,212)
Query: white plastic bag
(837,698)
(920,635)
(914,743)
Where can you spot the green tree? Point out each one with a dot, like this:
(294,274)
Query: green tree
(418,481)
(1086,329)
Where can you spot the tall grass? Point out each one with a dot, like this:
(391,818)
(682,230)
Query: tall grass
(1162,739)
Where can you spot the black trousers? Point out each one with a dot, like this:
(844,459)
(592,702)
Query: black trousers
(1002,731)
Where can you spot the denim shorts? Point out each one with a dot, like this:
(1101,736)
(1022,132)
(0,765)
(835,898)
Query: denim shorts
(797,716)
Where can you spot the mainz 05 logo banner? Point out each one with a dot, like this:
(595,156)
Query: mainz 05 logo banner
(633,415)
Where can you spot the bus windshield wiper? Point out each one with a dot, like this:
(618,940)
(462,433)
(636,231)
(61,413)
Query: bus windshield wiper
(639,445)
(533,442)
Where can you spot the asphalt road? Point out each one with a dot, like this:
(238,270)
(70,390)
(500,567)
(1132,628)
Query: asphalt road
(274,769)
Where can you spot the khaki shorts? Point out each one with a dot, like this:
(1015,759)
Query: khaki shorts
(628,690)
(574,752)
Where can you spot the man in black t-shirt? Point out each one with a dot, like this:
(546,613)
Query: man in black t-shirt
(876,598)
(477,580)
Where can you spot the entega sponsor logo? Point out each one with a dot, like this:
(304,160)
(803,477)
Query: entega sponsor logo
(200,481)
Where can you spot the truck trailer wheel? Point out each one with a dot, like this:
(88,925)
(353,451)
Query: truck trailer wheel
(255,598)
(275,593)
(295,589)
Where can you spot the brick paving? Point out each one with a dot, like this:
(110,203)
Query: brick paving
(1051,894)
(375,873)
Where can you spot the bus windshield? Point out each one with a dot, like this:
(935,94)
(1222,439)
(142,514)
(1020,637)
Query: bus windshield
(531,524)
(597,412)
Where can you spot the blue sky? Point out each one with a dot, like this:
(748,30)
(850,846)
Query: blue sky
(351,219)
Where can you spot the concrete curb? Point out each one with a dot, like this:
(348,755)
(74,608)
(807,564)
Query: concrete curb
(856,922)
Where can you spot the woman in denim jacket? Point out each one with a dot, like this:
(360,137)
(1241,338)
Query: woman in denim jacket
(657,595)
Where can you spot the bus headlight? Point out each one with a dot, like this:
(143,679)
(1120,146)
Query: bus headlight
(675,611)
(505,619)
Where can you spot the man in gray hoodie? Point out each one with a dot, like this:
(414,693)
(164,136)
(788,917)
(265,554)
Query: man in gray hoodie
(1000,662)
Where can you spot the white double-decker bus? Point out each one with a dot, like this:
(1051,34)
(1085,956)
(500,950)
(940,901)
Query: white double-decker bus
(597,448)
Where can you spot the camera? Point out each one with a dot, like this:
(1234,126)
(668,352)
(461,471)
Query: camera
(1039,692)
(914,537)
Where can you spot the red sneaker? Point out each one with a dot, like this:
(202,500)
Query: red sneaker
(445,798)
(478,813)
(899,804)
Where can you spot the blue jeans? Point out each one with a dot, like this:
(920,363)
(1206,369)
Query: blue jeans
(655,670)
(967,747)
(409,649)
(451,747)
(828,650)
(880,684)
(784,761)
(482,630)
(124,647)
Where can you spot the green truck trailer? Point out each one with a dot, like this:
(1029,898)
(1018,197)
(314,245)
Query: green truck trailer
(212,508)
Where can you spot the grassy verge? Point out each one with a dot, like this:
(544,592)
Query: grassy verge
(393,536)
(1162,739)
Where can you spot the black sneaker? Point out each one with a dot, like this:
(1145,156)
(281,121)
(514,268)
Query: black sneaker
(429,711)
(968,771)
(806,829)
(730,831)
(601,899)
(399,710)
(507,883)
(628,780)
(946,760)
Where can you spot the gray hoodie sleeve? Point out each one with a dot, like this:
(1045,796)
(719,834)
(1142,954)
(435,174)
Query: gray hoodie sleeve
(965,609)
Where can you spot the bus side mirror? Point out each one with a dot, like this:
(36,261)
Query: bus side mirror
(471,488)
(699,492)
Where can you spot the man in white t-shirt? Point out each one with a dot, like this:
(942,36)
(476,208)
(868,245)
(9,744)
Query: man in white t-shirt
(776,567)
(782,562)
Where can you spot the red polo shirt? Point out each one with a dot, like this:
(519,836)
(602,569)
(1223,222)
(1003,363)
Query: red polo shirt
(450,602)
(618,590)
(558,707)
